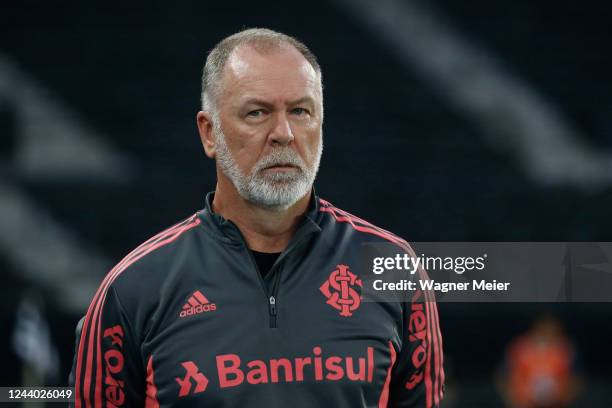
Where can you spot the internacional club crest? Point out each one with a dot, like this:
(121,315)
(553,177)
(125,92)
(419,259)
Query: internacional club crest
(342,290)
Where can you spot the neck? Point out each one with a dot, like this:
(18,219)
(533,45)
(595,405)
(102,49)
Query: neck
(265,230)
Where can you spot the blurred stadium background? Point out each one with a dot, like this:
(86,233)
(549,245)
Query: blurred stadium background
(445,121)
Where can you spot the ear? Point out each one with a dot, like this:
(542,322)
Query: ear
(205,128)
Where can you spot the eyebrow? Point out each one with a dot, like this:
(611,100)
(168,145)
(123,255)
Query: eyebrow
(302,100)
(268,105)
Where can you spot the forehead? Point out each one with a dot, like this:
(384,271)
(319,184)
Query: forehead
(275,73)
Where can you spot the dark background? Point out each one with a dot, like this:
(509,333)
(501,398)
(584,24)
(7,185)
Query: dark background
(398,151)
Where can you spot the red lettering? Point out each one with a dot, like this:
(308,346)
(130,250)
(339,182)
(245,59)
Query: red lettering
(233,369)
(258,373)
(109,380)
(115,396)
(333,365)
(417,327)
(418,356)
(414,380)
(114,360)
(330,368)
(281,362)
(417,322)
(361,375)
(115,355)
(299,367)
(207,307)
(317,364)
(116,334)
(422,335)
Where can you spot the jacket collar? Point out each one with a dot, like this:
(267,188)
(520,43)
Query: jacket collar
(230,232)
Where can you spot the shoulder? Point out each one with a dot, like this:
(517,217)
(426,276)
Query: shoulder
(131,288)
(146,265)
(359,228)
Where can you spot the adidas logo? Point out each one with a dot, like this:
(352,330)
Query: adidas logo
(197,304)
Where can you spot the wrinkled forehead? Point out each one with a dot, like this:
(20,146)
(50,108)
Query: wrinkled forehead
(269,71)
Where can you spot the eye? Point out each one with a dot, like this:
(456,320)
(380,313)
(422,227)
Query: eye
(299,111)
(255,113)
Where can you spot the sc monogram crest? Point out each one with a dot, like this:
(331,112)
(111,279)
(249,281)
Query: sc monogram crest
(342,290)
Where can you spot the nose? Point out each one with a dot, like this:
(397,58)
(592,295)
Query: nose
(281,133)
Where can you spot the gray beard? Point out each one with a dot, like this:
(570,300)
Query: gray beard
(273,191)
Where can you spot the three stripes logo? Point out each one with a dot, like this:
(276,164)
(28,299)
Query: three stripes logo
(196,304)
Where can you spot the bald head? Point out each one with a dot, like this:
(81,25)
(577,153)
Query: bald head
(236,48)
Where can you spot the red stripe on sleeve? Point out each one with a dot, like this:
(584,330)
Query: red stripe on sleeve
(439,356)
(159,244)
(384,395)
(428,382)
(151,393)
(95,310)
(92,306)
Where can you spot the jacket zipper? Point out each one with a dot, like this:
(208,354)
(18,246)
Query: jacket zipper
(272,298)
(272,303)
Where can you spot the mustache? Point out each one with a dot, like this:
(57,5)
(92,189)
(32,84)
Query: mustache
(280,157)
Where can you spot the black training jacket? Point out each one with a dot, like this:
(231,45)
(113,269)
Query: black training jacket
(187,320)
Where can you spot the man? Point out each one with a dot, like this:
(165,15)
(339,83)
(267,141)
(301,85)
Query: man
(253,300)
